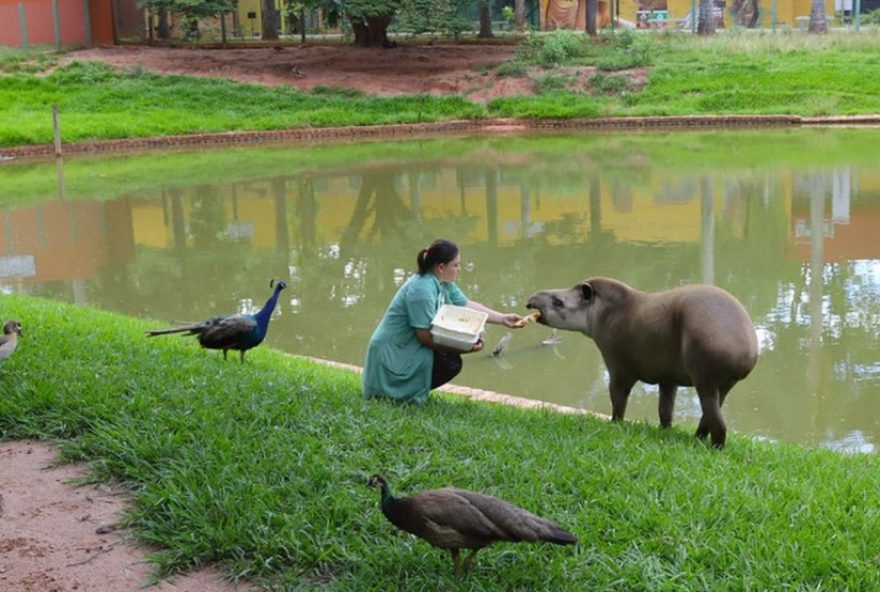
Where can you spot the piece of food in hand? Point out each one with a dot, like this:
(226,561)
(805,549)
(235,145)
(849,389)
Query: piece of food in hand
(529,318)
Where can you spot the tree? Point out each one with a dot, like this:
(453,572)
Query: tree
(592,17)
(370,19)
(706,25)
(520,11)
(270,20)
(485,19)
(818,22)
(163,31)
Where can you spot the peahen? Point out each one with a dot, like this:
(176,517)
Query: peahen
(9,339)
(457,519)
(238,331)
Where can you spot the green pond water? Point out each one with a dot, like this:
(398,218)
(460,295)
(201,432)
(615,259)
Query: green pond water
(786,220)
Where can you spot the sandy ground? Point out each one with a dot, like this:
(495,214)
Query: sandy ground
(56,536)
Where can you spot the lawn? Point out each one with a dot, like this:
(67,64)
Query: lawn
(261,468)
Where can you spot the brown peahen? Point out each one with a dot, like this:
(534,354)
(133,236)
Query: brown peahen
(238,331)
(9,340)
(456,519)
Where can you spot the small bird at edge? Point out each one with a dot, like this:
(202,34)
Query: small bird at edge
(9,340)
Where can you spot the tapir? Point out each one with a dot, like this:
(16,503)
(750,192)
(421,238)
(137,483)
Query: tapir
(695,335)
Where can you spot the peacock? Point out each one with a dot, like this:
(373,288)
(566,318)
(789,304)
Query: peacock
(9,340)
(237,331)
(456,519)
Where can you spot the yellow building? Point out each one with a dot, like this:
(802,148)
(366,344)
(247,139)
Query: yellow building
(569,14)
(250,18)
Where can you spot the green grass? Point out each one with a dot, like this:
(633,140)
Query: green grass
(96,102)
(261,468)
(34,60)
(730,73)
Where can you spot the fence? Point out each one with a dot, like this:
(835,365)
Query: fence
(55,22)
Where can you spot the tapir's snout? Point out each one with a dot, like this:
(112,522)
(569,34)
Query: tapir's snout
(534,302)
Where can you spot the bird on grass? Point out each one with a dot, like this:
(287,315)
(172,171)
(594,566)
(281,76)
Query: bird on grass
(9,339)
(237,331)
(456,519)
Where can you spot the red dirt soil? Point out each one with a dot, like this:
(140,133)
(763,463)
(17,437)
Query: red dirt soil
(432,69)
(59,537)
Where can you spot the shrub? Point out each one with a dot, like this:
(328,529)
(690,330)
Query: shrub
(551,84)
(513,69)
(627,50)
(610,85)
(552,49)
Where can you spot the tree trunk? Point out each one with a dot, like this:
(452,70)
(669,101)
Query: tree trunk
(485,20)
(818,22)
(162,30)
(371,31)
(592,17)
(520,12)
(270,30)
(706,24)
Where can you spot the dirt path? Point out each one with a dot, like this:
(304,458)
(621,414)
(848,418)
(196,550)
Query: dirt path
(59,537)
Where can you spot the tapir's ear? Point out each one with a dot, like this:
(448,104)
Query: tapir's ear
(587,291)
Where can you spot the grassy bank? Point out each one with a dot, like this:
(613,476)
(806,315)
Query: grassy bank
(260,467)
(732,73)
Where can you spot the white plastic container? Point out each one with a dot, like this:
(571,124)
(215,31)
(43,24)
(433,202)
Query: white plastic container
(458,327)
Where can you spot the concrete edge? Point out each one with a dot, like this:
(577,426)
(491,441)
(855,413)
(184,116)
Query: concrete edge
(397,130)
(485,396)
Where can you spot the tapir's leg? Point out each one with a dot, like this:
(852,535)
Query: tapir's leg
(667,404)
(620,387)
(722,392)
(711,422)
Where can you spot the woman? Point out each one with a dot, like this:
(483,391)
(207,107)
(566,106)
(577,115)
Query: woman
(403,362)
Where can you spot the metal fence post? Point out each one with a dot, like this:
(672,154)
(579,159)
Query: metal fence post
(87,16)
(56,127)
(56,22)
(773,16)
(22,23)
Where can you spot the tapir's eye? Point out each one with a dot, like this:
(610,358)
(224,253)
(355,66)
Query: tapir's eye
(557,302)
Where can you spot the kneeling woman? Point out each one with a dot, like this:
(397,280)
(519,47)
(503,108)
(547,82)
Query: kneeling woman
(403,362)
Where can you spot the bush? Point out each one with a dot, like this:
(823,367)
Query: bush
(84,73)
(551,84)
(610,85)
(627,50)
(553,49)
(871,18)
(513,69)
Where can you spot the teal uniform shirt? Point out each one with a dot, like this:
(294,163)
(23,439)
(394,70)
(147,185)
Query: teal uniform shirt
(398,365)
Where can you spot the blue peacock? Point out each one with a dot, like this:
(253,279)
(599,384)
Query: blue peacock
(237,331)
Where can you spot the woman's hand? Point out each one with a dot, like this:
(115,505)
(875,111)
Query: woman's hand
(511,320)
(478,345)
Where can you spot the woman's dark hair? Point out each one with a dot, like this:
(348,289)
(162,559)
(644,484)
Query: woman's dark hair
(440,251)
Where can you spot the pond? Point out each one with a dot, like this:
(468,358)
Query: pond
(786,220)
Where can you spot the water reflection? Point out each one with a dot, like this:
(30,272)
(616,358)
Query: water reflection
(787,227)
